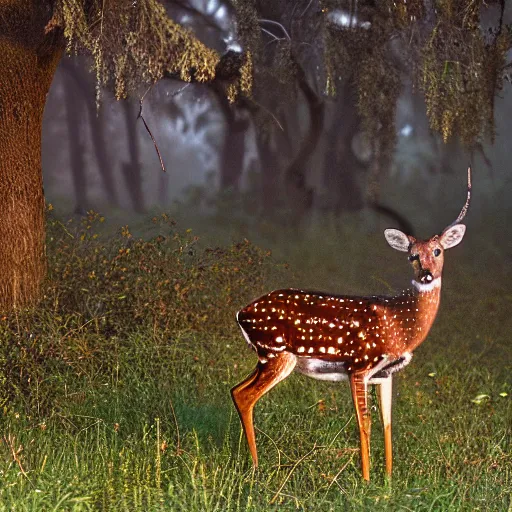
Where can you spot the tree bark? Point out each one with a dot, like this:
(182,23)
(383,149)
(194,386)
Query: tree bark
(28,59)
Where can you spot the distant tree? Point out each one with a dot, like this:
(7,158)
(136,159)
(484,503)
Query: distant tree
(75,113)
(131,43)
(131,167)
(78,87)
(453,51)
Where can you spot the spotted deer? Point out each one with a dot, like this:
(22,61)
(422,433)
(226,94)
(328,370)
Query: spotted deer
(336,337)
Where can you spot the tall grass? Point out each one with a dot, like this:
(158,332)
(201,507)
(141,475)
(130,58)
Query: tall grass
(115,390)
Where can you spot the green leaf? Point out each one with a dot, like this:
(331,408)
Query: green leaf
(480,399)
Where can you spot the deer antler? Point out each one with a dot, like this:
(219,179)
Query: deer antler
(465,208)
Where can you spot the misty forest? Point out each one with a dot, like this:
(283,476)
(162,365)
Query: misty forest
(164,163)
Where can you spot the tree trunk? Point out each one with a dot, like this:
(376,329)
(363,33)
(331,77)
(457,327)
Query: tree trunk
(81,78)
(131,169)
(299,194)
(28,59)
(341,165)
(233,145)
(75,121)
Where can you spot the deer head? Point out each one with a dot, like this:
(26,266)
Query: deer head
(427,256)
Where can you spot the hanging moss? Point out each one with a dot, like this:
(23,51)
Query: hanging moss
(439,45)
(363,55)
(443,49)
(133,43)
(248,25)
(461,74)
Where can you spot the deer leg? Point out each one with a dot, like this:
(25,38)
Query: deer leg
(359,388)
(385,397)
(248,392)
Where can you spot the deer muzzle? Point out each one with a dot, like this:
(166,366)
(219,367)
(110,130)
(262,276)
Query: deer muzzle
(425,276)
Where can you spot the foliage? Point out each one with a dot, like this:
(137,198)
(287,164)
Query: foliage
(132,43)
(446,52)
(462,72)
(101,289)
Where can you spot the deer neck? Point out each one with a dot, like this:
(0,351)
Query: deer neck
(427,298)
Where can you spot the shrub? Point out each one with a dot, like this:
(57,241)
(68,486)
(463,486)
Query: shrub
(101,289)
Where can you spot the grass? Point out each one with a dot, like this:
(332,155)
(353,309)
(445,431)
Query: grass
(115,391)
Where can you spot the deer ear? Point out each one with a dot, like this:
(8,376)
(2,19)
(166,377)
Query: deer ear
(452,236)
(398,240)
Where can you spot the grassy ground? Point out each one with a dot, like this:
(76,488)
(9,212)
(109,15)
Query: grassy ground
(115,392)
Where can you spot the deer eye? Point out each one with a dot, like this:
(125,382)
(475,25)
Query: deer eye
(437,252)
(414,257)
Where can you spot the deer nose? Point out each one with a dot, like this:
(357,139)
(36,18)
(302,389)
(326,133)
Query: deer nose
(426,276)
